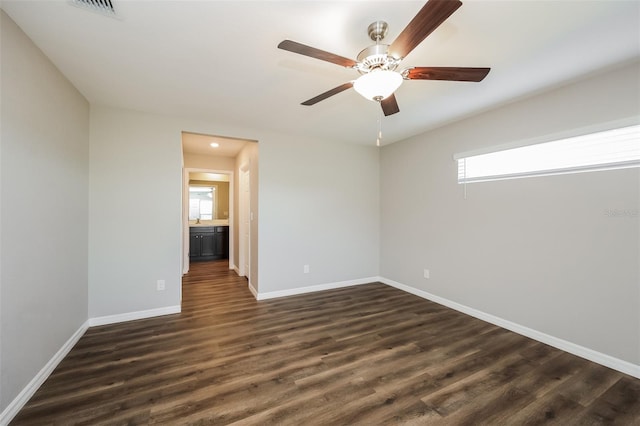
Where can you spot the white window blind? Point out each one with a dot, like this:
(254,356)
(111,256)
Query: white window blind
(610,149)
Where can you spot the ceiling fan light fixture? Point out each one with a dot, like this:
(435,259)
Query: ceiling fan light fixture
(378,84)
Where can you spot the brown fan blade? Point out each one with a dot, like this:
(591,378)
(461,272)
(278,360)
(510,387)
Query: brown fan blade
(432,14)
(446,73)
(389,105)
(302,49)
(328,93)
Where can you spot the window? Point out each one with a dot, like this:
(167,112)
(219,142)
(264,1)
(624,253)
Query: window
(610,149)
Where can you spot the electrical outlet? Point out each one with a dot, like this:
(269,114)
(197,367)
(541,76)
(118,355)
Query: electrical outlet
(160,285)
(306,269)
(426,273)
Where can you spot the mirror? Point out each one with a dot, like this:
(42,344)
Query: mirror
(201,202)
(208,200)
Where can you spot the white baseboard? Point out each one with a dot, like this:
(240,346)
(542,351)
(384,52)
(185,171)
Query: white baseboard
(130,316)
(314,288)
(23,397)
(581,351)
(608,361)
(253,291)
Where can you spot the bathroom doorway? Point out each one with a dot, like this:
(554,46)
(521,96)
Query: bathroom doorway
(215,216)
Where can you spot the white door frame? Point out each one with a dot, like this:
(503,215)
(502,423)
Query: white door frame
(185,215)
(244,219)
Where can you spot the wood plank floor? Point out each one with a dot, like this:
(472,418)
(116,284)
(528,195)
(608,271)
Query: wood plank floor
(365,355)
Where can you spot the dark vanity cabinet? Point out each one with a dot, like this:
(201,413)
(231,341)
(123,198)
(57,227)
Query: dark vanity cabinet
(208,242)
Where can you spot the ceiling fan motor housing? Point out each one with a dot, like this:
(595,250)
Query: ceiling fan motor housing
(376,57)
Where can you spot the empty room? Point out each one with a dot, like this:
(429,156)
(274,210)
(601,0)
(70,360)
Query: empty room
(319,212)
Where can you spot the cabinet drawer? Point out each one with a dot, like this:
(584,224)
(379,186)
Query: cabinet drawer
(201,230)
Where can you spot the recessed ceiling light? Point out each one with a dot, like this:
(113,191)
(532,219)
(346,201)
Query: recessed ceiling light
(214,144)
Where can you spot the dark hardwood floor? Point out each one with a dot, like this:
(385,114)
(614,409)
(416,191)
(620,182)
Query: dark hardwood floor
(365,355)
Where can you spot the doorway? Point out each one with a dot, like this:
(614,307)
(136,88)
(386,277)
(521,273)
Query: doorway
(203,175)
(239,159)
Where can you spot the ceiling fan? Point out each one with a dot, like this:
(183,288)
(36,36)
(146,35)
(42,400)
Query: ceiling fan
(377,64)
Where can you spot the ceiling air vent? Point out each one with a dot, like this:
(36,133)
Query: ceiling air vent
(104,7)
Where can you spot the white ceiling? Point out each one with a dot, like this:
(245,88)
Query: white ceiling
(217,60)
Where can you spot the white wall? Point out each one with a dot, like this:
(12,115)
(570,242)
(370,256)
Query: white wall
(44,219)
(540,252)
(319,206)
(211,162)
(316,204)
(135,209)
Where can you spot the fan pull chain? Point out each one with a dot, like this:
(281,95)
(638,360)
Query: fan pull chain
(379,129)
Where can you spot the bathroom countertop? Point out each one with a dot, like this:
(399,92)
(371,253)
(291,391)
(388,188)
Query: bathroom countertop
(219,222)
